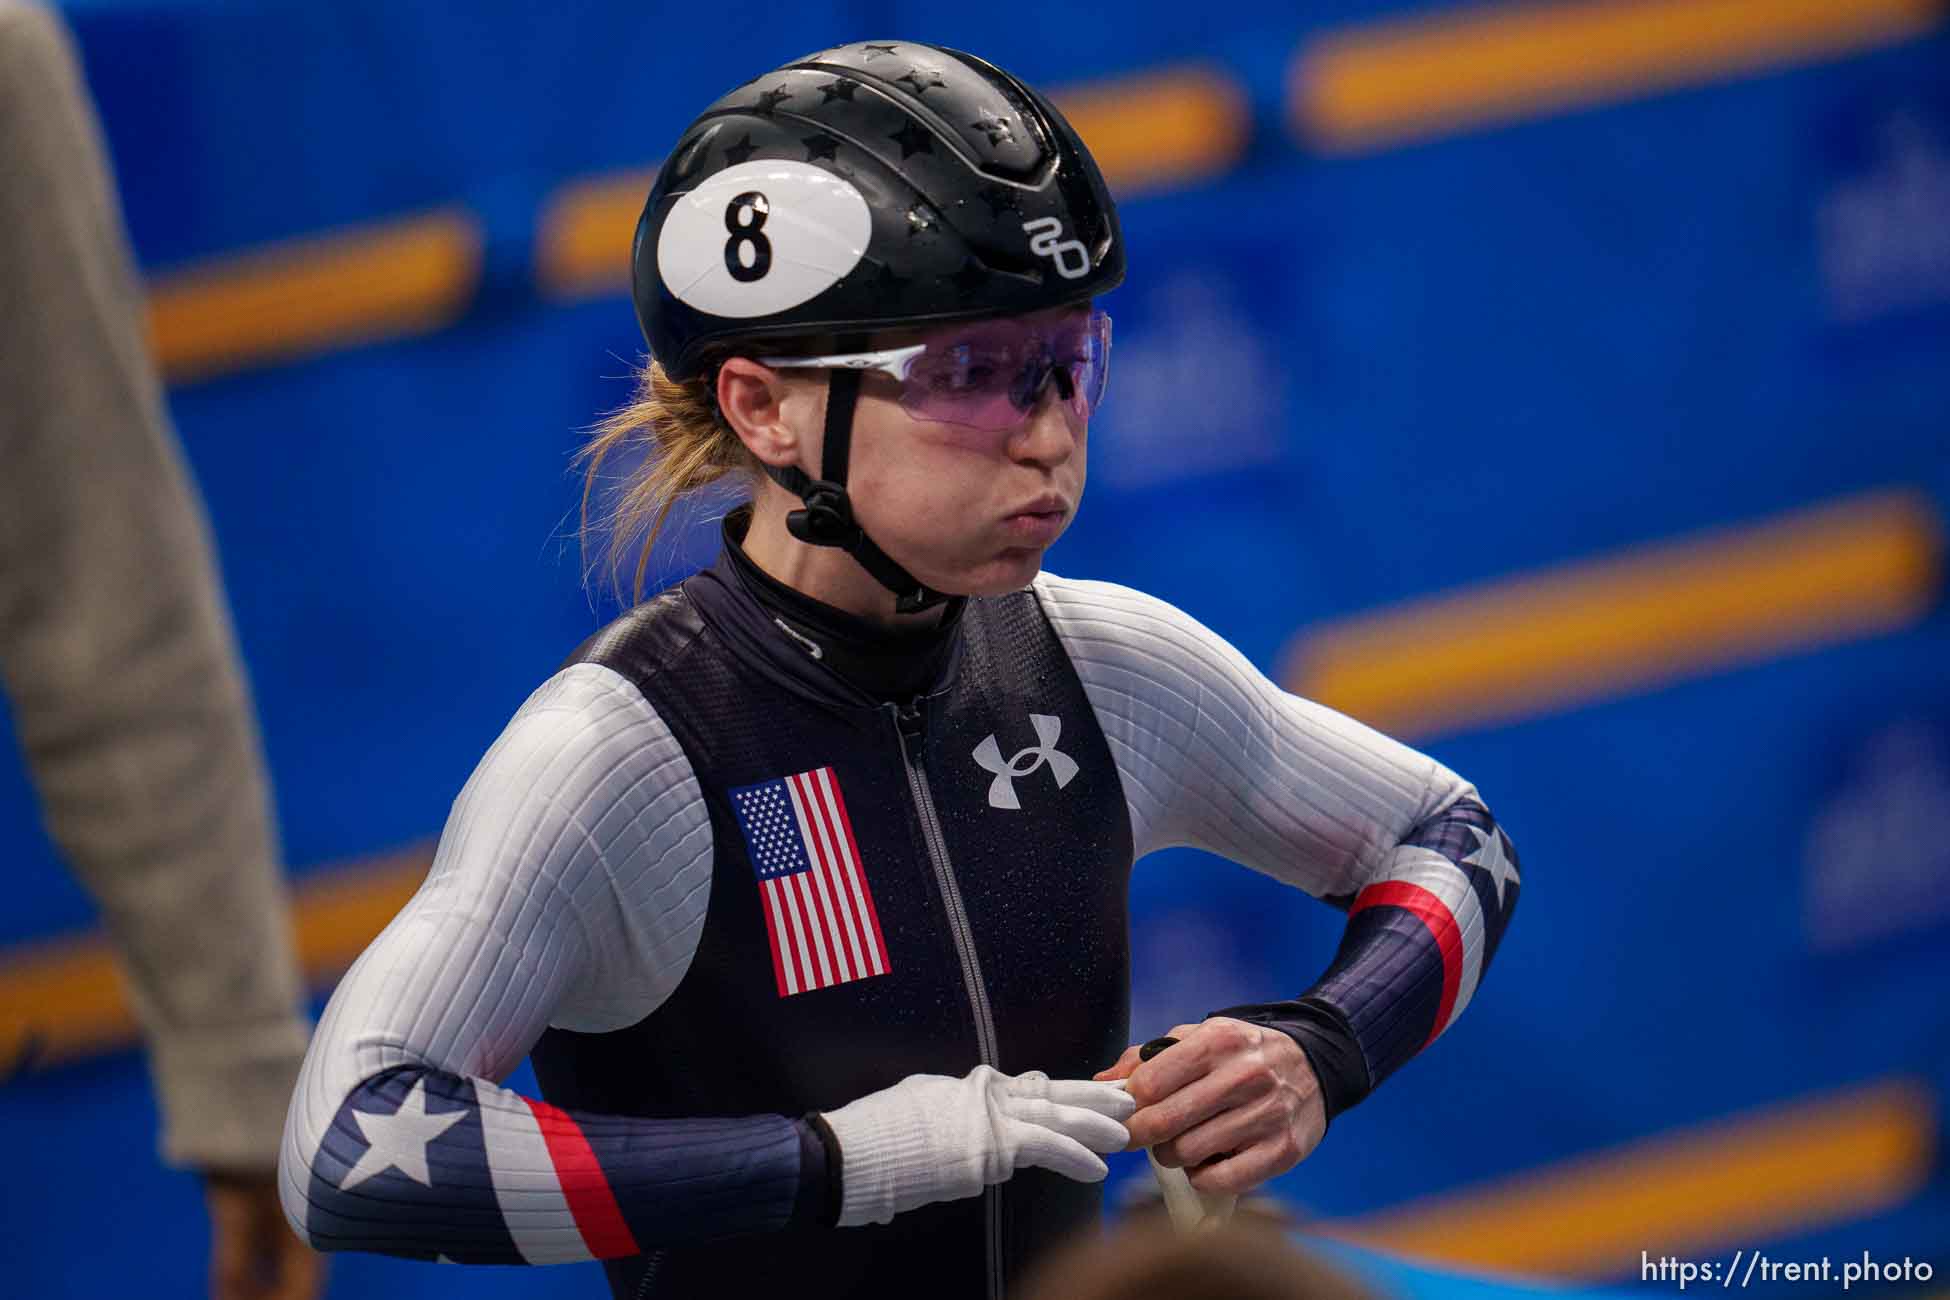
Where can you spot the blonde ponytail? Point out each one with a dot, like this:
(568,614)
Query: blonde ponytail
(674,445)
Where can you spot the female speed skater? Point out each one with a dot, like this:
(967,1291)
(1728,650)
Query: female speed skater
(804,882)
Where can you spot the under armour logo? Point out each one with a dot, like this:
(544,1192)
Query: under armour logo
(1002,790)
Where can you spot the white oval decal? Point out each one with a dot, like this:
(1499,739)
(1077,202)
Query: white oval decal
(761,237)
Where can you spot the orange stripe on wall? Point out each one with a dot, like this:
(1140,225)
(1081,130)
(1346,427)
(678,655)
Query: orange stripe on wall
(340,910)
(1387,82)
(583,246)
(1657,614)
(291,299)
(1157,129)
(62,999)
(1752,1178)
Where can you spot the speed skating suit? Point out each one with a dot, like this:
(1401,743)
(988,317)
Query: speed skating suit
(717,887)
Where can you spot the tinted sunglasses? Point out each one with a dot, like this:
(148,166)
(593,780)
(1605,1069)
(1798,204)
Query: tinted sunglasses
(989,374)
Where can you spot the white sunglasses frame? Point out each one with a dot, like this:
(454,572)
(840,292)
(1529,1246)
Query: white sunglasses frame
(898,362)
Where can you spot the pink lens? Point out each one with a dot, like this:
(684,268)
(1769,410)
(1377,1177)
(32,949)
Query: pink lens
(992,374)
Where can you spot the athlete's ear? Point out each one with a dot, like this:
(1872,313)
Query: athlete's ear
(767,410)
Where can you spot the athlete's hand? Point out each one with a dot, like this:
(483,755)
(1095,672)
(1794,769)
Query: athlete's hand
(935,1138)
(1233,1104)
(253,1254)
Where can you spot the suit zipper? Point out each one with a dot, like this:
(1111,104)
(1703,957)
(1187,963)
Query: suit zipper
(908,725)
(649,1278)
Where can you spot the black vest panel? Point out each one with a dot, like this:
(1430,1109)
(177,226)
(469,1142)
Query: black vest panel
(1043,884)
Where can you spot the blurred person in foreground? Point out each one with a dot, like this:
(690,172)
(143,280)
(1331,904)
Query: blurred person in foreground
(119,664)
(1147,1260)
(805,883)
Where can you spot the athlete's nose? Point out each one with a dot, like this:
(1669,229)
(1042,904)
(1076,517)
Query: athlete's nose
(1050,435)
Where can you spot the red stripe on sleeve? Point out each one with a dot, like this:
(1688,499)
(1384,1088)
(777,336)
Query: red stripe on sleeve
(1433,913)
(591,1202)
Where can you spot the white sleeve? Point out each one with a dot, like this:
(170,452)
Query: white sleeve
(569,888)
(1214,755)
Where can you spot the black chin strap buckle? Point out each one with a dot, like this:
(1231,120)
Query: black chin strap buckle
(827,519)
(917,599)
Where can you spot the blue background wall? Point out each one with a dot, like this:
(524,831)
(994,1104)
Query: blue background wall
(1339,382)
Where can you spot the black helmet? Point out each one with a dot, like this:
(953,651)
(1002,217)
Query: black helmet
(868,186)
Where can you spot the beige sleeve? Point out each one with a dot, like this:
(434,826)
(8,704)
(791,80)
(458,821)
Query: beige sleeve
(115,644)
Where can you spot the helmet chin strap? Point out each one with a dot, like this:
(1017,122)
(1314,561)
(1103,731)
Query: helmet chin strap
(827,518)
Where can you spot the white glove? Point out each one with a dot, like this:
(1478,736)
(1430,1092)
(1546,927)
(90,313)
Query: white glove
(933,1138)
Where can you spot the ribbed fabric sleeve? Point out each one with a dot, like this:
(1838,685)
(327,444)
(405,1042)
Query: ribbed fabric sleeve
(1419,941)
(1214,755)
(569,888)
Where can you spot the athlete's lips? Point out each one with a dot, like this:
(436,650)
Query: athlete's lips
(1049,503)
(1040,522)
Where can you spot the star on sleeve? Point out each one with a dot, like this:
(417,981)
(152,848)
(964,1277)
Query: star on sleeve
(1489,855)
(399,1140)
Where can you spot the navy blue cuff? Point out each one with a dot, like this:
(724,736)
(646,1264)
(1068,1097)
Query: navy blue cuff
(817,1204)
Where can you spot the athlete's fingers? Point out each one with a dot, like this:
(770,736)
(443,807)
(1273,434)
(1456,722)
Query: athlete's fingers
(1098,1132)
(1233,1084)
(1244,1170)
(1197,1047)
(1227,1131)
(1044,1148)
(1121,1068)
(1104,1098)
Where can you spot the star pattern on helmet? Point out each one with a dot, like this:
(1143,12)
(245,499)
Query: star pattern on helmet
(923,79)
(1000,199)
(970,278)
(872,50)
(769,101)
(995,126)
(838,88)
(913,139)
(820,147)
(692,157)
(740,152)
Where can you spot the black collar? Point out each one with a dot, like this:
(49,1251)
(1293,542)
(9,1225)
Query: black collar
(814,647)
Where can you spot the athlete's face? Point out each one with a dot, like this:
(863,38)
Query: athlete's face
(967,510)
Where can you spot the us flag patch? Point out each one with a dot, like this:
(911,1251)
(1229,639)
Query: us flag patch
(812,886)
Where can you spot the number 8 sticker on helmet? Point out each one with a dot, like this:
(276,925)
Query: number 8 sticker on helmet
(762,237)
(748,253)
